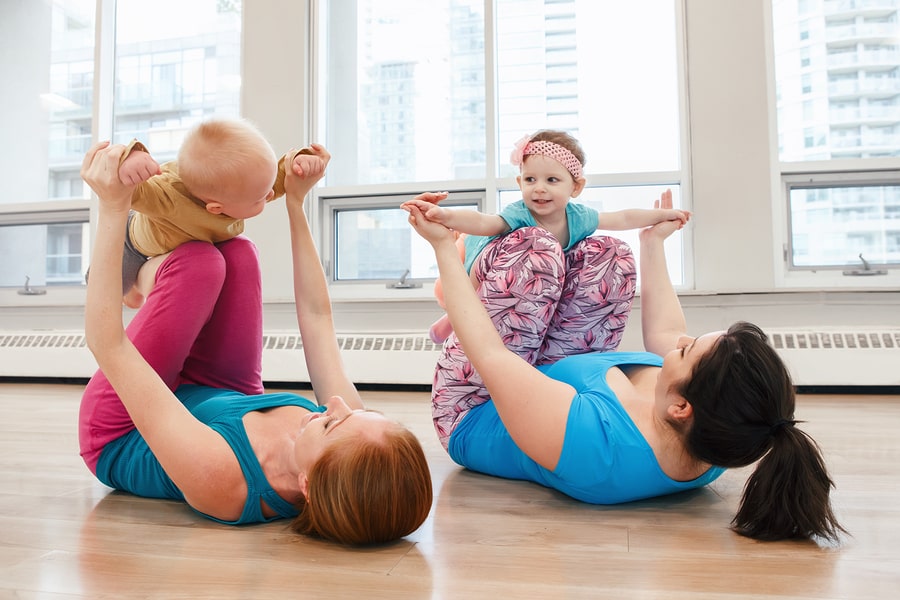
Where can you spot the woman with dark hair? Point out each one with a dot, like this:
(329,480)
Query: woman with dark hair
(607,427)
(177,409)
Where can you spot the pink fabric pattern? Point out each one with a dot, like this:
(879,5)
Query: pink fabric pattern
(596,300)
(201,324)
(545,304)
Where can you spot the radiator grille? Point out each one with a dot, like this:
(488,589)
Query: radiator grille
(839,340)
(43,340)
(815,356)
(359,342)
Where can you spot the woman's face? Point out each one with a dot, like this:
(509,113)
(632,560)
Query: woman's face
(338,422)
(679,363)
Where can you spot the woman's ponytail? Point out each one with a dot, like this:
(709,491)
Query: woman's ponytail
(743,411)
(787,496)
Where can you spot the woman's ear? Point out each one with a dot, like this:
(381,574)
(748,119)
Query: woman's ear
(214,208)
(303,480)
(679,410)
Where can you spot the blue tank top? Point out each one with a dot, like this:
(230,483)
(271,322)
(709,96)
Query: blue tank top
(604,460)
(128,464)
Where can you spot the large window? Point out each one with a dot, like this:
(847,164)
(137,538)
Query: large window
(48,59)
(156,74)
(837,70)
(432,96)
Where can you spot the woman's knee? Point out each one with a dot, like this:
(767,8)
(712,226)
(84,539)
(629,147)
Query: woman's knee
(196,263)
(603,245)
(602,253)
(239,248)
(524,249)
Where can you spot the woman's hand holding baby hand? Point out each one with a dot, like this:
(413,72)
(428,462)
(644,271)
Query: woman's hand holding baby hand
(100,170)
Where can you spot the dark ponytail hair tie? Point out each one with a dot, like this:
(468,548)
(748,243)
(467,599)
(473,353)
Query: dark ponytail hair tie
(779,424)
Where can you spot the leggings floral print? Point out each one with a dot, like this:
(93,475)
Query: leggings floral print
(545,304)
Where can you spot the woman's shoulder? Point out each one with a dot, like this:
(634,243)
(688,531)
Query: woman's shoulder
(591,362)
(207,402)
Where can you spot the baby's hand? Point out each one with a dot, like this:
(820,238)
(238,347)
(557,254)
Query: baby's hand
(433,197)
(138,167)
(307,165)
(427,205)
(674,214)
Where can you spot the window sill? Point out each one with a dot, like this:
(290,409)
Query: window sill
(365,292)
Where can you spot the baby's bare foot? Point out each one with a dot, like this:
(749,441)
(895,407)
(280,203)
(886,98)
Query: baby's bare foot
(133,298)
(146,280)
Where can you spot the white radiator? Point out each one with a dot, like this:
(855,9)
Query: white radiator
(815,356)
(839,356)
(395,358)
(380,358)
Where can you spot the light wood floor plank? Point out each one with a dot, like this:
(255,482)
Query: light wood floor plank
(66,536)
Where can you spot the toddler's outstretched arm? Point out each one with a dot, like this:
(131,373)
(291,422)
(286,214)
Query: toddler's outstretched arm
(638,218)
(470,222)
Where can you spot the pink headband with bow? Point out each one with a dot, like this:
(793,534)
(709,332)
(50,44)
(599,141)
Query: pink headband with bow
(525,147)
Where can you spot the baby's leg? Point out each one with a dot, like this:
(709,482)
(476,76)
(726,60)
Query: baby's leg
(596,299)
(132,264)
(521,276)
(228,351)
(163,330)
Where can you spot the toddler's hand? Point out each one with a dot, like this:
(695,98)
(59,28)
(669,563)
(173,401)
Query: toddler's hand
(307,165)
(428,207)
(138,167)
(432,197)
(682,216)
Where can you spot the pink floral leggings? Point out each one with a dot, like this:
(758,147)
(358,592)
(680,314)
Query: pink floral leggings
(545,304)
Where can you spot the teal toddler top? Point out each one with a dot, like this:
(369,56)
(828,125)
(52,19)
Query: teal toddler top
(582,222)
(604,460)
(128,464)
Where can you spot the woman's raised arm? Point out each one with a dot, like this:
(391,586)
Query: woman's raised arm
(662,318)
(189,451)
(314,314)
(533,407)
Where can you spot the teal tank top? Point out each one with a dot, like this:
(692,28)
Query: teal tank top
(128,464)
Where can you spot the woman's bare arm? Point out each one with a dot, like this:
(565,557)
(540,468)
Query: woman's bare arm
(314,313)
(534,408)
(662,318)
(192,454)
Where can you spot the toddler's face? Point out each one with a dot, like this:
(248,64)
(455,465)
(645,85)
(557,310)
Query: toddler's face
(248,194)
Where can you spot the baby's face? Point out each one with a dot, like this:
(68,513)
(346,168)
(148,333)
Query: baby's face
(247,196)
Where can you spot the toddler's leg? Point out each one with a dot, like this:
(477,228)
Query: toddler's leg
(595,302)
(521,276)
(228,351)
(441,329)
(163,330)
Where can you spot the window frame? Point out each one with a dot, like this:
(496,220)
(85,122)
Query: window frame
(320,206)
(45,213)
(824,175)
(324,216)
(786,175)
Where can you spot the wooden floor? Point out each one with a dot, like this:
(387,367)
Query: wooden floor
(63,535)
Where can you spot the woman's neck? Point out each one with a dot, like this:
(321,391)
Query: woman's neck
(272,435)
(636,391)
